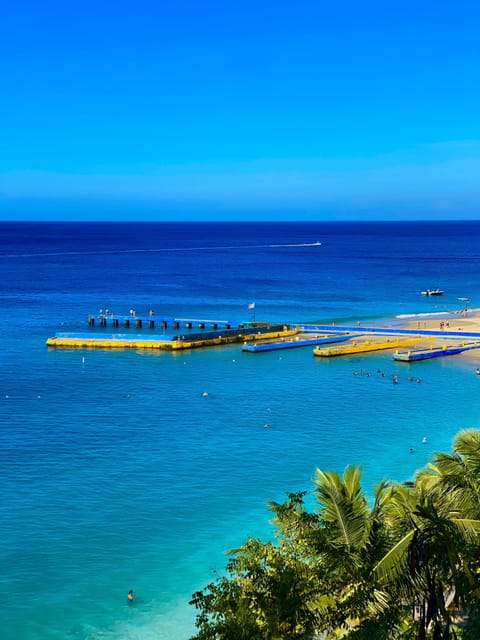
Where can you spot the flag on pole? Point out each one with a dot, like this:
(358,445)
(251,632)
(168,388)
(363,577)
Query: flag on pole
(251,305)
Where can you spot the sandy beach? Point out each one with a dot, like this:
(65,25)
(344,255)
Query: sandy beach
(462,321)
(448,328)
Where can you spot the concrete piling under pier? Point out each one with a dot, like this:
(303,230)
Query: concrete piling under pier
(138,321)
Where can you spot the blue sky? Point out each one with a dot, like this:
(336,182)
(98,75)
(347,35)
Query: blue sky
(242,109)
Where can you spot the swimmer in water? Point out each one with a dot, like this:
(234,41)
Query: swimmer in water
(130,596)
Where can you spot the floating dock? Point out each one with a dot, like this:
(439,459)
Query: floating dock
(293,343)
(187,341)
(425,354)
(86,341)
(367,345)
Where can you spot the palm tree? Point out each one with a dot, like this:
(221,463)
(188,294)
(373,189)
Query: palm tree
(432,564)
(456,475)
(453,481)
(351,538)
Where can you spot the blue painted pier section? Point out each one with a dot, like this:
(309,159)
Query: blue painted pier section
(441,333)
(425,354)
(293,343)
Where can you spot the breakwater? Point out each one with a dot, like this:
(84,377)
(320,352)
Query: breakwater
(187,340)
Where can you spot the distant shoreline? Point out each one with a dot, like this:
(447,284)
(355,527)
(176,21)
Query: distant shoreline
(467,320)
(452,321)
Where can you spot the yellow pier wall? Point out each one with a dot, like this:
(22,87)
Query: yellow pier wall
(96,343)
(167,345)
(368,345)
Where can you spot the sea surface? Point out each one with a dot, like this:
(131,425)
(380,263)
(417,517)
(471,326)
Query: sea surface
(137,470)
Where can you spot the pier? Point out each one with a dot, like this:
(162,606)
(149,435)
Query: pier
(366,346)
(440,333)
(294,343)
(257,337)
(425,354)
(189,340)
(150,321)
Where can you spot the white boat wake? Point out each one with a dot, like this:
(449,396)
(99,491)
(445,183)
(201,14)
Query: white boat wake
(104,252)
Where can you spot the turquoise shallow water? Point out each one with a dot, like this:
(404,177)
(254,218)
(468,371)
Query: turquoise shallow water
(118,472)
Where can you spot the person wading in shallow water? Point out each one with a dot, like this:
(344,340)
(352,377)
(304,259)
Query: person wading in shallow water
(130,597)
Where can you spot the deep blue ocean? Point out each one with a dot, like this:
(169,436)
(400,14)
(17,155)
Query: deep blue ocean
(118,472)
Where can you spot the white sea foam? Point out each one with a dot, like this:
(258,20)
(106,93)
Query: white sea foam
(434,314)
(406,316)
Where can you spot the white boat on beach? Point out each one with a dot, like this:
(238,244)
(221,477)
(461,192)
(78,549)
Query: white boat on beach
(432,292)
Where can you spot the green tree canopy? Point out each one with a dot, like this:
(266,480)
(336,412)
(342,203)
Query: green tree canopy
(401,565)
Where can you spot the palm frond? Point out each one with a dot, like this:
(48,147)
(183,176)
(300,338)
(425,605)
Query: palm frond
(393,563)
(343,506)
(469,528)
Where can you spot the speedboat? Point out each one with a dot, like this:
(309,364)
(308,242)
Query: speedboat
(432,292)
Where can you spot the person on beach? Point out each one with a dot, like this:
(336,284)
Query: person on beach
(130,597)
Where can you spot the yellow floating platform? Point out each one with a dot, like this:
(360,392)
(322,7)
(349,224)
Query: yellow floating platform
(108,343)
(86,342)
(368,345)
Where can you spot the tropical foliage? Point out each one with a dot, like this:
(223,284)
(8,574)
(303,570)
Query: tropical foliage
(402,565)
